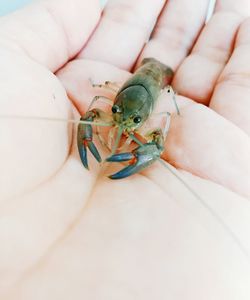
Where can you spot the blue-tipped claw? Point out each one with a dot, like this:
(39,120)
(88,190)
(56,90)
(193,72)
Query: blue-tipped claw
(120,157)
(83,152)
(83,155)
(84,141)
(125,172)
(94,151)
(140,158)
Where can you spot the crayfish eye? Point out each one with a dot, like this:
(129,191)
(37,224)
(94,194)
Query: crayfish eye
(137,119)
(115,109)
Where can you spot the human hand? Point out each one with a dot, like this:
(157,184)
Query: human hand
(66,232)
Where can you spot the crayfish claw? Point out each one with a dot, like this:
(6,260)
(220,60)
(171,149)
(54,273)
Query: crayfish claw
(84,140)
(140,158)
(94,151)
(83,152)
(125,172)
(120,157)
(83,155)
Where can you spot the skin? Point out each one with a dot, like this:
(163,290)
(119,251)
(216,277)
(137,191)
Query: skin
(69,233)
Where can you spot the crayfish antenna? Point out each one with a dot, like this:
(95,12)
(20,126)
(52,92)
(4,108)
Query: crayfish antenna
(212,212)
(38,118)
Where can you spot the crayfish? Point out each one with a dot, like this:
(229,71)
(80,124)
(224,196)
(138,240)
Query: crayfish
(134,103)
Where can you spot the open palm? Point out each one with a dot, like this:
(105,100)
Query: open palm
(69,233)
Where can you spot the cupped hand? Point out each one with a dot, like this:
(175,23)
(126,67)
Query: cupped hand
(69,233)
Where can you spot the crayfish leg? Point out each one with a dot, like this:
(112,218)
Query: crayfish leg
(108,85)
(171,91)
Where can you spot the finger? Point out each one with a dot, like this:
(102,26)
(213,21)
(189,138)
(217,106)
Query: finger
(241,7)
(50,32)
(232,91)
(215,149)
(176,31)
(198,73)
(123,31)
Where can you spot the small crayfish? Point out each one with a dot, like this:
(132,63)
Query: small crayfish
(133,104)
